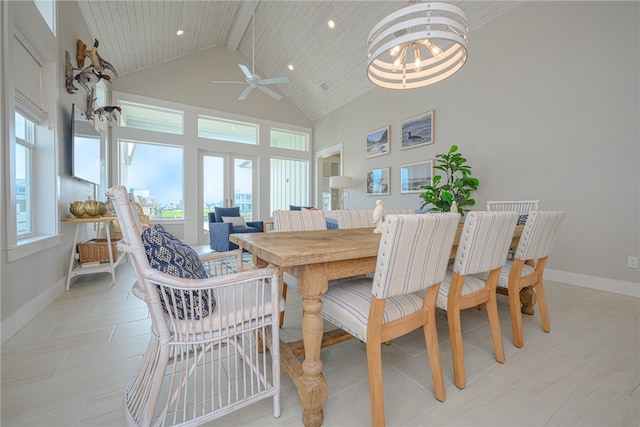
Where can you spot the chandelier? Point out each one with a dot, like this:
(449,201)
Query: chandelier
(420,44)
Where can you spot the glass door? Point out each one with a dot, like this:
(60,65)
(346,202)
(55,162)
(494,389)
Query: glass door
(227,180)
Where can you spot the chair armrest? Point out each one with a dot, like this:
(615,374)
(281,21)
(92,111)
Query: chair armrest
(219,236)
(256,224)
(222,263)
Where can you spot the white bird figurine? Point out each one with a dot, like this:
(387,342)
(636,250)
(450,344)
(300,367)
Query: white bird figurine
(454,207)
(378,214)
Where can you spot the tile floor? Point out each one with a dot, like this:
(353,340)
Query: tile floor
(69,366)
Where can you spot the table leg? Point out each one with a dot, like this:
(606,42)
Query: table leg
(312,389)
(528,300)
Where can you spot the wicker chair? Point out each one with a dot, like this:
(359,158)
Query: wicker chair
(482,248)
(527,268)
(412,257)
(207,355)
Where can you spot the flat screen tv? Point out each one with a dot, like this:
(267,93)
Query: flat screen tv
(85,149)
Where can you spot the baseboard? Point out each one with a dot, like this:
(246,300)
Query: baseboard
(17,321)
(593,282)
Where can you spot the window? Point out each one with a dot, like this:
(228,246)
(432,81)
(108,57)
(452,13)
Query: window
(47,10)
(153,173)
(25,145)
(289,183)
(226,130)
(289,140)
(145,117)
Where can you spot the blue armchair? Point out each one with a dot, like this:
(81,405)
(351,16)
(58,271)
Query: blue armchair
(221,225)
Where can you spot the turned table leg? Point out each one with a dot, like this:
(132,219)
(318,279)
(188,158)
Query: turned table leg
(313,389)
(528,300)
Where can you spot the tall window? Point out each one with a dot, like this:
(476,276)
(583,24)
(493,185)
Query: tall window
(289,183)
(153,174)
(25,146)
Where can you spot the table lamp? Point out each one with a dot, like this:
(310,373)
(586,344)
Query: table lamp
(340,183)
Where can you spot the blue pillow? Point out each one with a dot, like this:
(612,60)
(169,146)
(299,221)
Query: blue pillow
(298,208)
(220,212)
(168,254)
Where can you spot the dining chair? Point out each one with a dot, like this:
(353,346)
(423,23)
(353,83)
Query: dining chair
(362,218)
(214,345)
(523,207)
(482,247)
(295,220)
(527,267)
(412,256)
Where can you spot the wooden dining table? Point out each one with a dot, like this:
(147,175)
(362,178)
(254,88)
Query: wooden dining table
(315,258)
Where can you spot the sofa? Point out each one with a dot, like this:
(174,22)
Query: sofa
(226,221)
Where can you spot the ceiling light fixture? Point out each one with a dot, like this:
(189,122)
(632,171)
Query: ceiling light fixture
(331,24)
(290,67)
(179,33)
(420,44)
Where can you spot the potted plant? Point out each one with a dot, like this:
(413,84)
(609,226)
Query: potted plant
(457,186)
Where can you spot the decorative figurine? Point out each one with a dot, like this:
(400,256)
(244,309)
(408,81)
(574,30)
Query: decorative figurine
(378,214)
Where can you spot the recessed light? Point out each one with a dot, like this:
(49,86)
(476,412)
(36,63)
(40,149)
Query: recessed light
(179,33)
(331,23)
(290,67)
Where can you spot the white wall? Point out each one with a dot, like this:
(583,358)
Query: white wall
(545,108)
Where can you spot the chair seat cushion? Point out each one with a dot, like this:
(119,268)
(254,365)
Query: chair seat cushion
(168,254)
(503,280)
(471,285)
(347,305)
(233,308)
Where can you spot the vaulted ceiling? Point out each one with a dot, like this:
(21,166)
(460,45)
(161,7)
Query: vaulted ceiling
(329,64)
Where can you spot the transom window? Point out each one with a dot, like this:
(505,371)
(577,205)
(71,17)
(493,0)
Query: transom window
(146,117)
(289,140)
(227,130)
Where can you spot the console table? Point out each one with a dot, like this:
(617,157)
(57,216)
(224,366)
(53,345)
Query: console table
(75,267)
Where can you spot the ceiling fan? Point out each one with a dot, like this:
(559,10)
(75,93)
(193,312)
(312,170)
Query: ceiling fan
(253,80)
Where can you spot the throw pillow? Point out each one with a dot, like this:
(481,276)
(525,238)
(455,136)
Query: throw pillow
(236,221)
(168,254)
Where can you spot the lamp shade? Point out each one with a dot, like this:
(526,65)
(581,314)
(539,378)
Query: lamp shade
(340,181)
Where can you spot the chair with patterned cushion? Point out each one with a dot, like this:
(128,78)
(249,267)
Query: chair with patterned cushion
(214,344)
(483,247)
(527,267)
(355,218)
(226,221)
(295,220)
(412,260)
(523,207)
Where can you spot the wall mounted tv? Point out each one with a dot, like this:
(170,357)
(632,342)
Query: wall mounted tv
(85,149)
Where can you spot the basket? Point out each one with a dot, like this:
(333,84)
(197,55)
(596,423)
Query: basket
(96,250)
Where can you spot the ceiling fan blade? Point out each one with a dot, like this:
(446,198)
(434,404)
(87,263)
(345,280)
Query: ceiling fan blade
(245,93)
(269,92)
(275,81)
(246,72)
(227,81)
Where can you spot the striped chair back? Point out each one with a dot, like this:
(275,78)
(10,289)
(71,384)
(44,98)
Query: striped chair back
(539,234)
(523,207)
(299,220)
(484,242)
(355,218)
(413,253)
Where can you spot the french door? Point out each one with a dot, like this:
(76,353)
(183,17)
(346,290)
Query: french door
(227,180)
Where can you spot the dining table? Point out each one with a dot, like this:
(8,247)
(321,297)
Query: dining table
(316,258)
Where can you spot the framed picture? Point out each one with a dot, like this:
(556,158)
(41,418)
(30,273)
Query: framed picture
(417,131)
(378,142)
(415,175)
(378,182)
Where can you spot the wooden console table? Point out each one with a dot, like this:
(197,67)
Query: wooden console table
(75,267)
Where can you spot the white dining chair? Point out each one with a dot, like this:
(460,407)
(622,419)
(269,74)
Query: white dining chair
(527,267)
(214,345)
(523,207)
(482,247)
(412,257)
(362,218)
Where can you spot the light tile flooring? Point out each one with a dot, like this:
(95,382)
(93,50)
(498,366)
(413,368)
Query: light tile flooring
(69,366)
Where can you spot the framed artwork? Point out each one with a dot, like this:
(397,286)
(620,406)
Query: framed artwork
(415,175)
(417,131)
(378,182)
(378,142)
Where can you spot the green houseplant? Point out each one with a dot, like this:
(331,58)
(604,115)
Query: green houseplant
(457,186)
